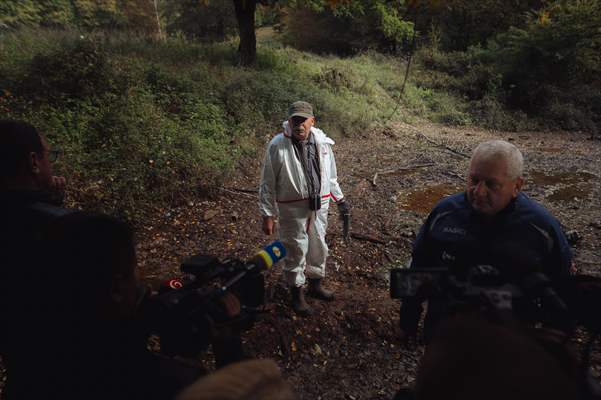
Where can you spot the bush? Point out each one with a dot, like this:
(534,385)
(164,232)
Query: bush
(78,71)
(349,27)
(210,21)
(545,70)
(145,124)
(551,61)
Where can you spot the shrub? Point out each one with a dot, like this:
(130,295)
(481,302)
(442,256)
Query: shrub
(348,27)
(551,60)
(144,124)
(545,70)
(80,70)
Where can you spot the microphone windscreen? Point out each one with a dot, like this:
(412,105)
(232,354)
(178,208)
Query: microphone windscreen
(269,255)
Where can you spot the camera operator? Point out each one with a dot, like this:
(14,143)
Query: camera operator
(88,343)
(30,197)
(68,294)
(491,223)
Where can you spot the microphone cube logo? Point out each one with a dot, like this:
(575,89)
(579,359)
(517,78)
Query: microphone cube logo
(276,251)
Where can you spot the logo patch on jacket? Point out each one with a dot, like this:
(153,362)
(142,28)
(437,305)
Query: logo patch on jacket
(447,257)
(454,230)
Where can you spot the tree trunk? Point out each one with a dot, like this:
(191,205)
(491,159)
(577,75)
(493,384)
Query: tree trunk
(245,14)
(156,13)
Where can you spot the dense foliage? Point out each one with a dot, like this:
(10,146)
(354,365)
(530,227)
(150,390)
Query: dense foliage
(548,70)
(214,20)
(348,27)
(146,122)
(138,15)
(143,118)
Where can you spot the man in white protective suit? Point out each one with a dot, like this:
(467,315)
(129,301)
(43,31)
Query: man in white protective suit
(298,181)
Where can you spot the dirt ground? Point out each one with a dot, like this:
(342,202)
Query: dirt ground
(392,178)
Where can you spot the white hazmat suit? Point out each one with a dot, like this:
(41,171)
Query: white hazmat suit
(284,193)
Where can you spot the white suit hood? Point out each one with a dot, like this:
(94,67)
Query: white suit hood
(318,134)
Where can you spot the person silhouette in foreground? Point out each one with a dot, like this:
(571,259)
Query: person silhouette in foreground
(470,357)
(89,343)
(30,198)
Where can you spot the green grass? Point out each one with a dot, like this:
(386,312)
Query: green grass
(146,123)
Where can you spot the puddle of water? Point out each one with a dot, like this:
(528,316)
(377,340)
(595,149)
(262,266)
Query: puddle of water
(569,177)
(404,172)
(397,172)
(570,193)
(571,184)
(422,201)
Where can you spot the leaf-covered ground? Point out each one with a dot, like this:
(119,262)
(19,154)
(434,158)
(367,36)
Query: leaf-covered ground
(392,177)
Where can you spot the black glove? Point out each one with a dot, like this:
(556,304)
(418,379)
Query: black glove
(343,207)
(344,210)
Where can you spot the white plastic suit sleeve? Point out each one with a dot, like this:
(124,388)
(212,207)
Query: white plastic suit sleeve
(335,190)
(267,200)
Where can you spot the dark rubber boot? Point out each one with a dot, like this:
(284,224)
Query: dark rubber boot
(299,304)
(318,292)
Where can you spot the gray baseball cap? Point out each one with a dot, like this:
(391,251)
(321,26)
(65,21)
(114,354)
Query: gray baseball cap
(301,109)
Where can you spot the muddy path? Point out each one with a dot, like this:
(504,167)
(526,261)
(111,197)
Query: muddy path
(392,177)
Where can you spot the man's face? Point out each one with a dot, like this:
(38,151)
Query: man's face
(301,127)
(489,188)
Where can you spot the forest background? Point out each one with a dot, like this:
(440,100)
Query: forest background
(155,102)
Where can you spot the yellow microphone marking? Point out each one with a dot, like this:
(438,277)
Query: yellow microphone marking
(266,257)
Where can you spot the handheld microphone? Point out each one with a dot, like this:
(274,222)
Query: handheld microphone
(266,257)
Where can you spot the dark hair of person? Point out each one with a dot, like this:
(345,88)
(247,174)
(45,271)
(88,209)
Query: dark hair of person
(87,252)
(471,357)
(17,140)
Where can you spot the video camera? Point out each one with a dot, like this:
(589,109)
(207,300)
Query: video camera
(211,293)
(531,298)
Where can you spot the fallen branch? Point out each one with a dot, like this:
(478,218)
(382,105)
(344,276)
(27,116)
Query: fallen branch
(366,238)
(384,241)
(373,181)
(238,193)
(455,175)
(394,171)
(244,190)
(442,146)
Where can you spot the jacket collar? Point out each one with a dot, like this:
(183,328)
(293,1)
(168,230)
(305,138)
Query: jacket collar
(23,197)
(498,216)
(318,135)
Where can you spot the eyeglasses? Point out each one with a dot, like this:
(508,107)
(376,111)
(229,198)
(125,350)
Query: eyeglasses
(53,155)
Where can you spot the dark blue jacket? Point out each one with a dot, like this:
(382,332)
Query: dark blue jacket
(524,237)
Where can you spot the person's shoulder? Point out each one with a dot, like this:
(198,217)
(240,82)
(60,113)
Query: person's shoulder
(454,207)
(530,211)
(277,139)
(32,204)
(321,137)
(453,202)
(48,210)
